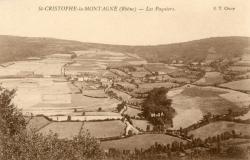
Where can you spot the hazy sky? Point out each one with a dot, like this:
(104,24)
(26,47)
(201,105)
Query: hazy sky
(193,19)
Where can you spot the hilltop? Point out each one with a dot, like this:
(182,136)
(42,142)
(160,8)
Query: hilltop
(14,48)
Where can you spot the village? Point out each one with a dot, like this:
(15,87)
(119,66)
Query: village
(102,92)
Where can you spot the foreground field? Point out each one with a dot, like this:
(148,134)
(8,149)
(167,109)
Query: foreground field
(104,129)
(216,128)
(139,141)
(36,123)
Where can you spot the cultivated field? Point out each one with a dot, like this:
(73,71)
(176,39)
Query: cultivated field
(146,87)
(216,128)
(240,68)
(32,91)
(63,129)
(120,73)
(104,129)
(120,94)
(37,123)
(98,93)
(211,78)
(39,67)
(93,104)
(198,101)
(160,67)
(132,112)
(242,85)
(142,124)
(139,141)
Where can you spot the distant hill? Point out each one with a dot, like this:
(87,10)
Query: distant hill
(14,48)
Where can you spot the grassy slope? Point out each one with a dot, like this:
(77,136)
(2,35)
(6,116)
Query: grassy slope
(216,128)
(18,48)
(139,141)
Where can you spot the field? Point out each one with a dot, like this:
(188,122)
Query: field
(240,68)
(120,94)
(120,73)
(245,116)
(216,128)
(98,93)
(32,91)
(142,124)
(104,129)
(63,129)
(242,85)
(126,85)
(53,96)
(237,142)
(146,87)
(238,98)
(84,66)
(92,104)
(132,112)
(139,141)
(39,67)
(211,78)
(160,67)
(37,123)
(193,100)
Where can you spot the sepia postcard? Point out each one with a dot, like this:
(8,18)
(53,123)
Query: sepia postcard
(124,80)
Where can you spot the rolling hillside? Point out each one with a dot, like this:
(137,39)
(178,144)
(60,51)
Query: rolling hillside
(18,48)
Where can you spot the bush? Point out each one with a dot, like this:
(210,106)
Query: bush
(236,152)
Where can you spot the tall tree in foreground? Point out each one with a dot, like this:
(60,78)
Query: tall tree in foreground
(157,107)
(16,143)
(12,121)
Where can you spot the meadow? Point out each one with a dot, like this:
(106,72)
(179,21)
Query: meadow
(216,128)
(211,78)
(36,123)
(132,112)
(139,141)
(198,101)
(242,85)
(63,129)
(98,93)
(142,124)
(104,129)
(38,67)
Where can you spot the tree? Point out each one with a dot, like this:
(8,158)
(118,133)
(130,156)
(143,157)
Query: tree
(11,119)
(236,152)
(157,107)
(17,143)
(120,106)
